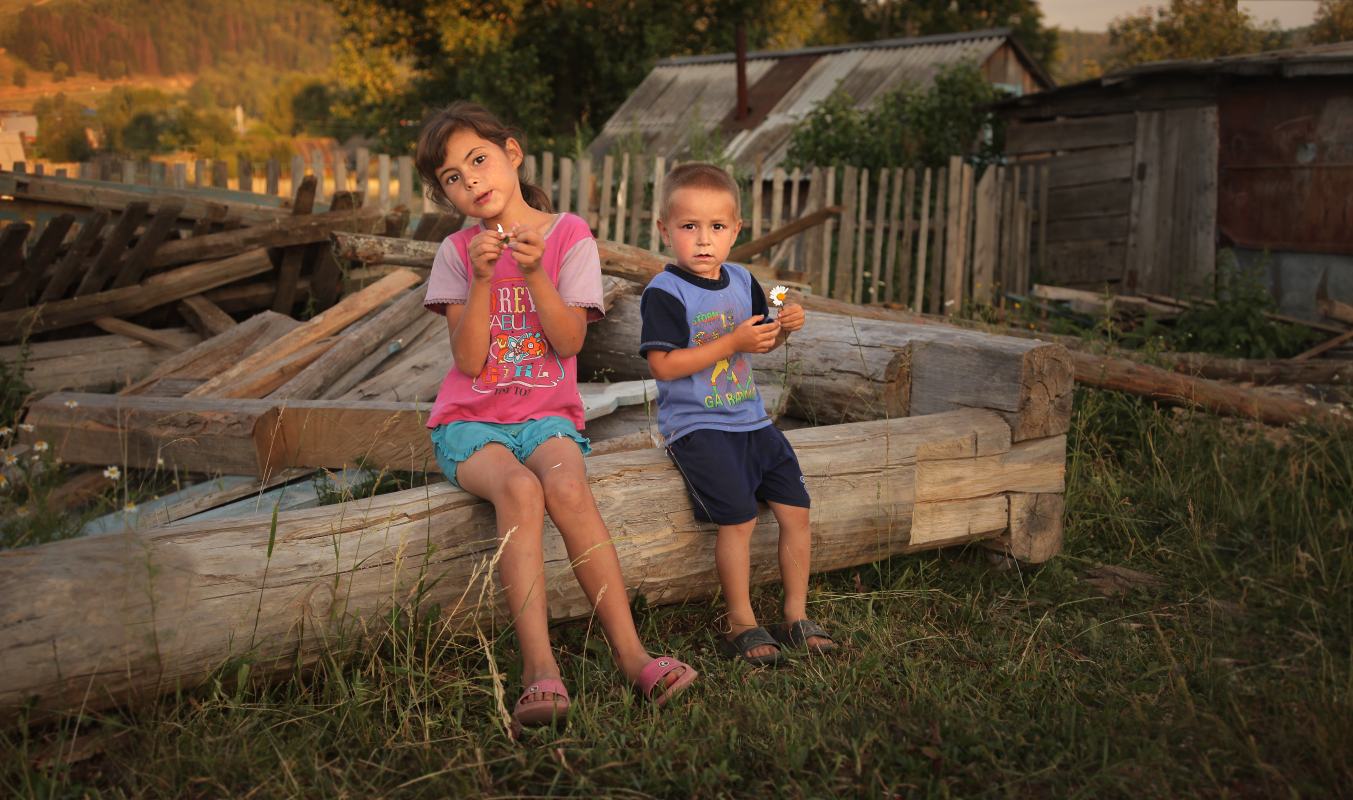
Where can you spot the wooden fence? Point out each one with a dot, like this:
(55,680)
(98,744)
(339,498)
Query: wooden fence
(927,239)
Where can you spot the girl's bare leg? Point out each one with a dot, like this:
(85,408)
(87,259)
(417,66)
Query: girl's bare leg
(733,559)
(496,475)
(796,545)
(558,463)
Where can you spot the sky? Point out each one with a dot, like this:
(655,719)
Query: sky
(1095,15)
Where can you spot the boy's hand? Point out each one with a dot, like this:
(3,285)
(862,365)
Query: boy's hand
(485,249)
(529,248)
(791,317)
(752,338)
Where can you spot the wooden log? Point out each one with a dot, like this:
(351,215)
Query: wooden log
(283,232)
(294,257)
(761,245)
(98,194)
(204,315)
(846,370)
(355,346)
(114,247)
(1217,397)
(73,636)
(156,290)
(122,328)
(69,268)
(213,356)
(21,291)
(94,362)
(238,381)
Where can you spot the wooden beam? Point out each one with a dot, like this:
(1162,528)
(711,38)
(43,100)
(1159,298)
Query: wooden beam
(93,362)
(154,291)
(98,194)
(122,328)
(69,268)
(114,248)
(140,256)
(294,257)
(284,232)
(286,607)
(205,315)
(761,245)
(213,356)
(19,292)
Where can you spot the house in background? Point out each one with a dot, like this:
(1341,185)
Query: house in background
(687,97)
(1152,169)
(18,122)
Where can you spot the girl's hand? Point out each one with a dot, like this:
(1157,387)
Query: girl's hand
(529,248)
(791,317)
(485,249)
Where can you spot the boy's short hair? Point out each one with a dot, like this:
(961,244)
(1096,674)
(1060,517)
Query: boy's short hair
(699,175)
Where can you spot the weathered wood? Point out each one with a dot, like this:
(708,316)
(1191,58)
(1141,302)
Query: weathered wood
(221,352)
(412,335)
(283,232)
(324,282)
(1328,344)
(1263,372)
(205,316)
(66,273)
(1036,528)
(923,239)
(98,194)
(354,347)
(1070,134)
(154,291)
(761,245)
(94,362)
(21,290)
(894,224)
(284,606)
(240,380)
(1217,397)
(114,247)
(845,245)
(259,294)
(146,244)
(123,328)
(294,257)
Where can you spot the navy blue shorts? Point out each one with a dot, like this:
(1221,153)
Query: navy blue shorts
(728,472)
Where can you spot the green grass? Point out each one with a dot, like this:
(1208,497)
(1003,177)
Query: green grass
(1232,680)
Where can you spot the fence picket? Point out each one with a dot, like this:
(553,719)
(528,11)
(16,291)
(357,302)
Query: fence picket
(845,248)
(659,176)
(317,169)
(1043,222)
(824,267)
(383,180)
(585,179)
(180,175)
(341,172)
(857,287)
(923,240)
(939,251)
(604,206)
(875,273)
(621,196)
(757,172)
(566,185)
(363,175)
(986,209)
(273,176)
(894,222)
(547,175)
(638,181)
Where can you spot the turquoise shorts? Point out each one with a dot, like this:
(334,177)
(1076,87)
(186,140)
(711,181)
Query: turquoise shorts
(456,441)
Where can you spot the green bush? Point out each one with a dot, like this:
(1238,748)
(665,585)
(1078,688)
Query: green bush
(1235,323)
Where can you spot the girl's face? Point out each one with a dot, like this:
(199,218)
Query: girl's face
(478,176)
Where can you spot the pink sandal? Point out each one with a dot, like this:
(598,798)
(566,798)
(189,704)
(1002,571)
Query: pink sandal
(653,673)
(542,712)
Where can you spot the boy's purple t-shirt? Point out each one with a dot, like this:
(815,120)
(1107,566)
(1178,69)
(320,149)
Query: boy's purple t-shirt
(523,378)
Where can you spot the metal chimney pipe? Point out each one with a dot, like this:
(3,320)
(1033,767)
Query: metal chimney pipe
(741,35)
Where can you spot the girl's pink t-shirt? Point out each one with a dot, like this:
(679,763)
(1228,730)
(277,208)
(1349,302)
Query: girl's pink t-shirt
(523,378)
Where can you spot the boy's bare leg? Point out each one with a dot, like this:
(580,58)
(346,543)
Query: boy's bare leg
(733,559)
(558,463)
(496,475)
(796,546)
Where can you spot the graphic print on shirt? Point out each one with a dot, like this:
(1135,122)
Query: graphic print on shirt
(729,381)
(519,354)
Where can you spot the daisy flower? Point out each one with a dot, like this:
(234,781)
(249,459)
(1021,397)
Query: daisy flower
(6,431)
(112,473)
(40,446)
(778,295)
(22,511)
(130,507)
(3,481)
(11,459)
(72,403)
(25,427)
(159,461)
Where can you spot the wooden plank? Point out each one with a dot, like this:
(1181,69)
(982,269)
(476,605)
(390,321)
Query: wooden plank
(272,176)
(327,275)
(122,328)
(604,214)
(566,185)
(1145,206)
(923,238)
(547,176)
(210,357)
(114,246)
(953,237)
(154,291)
(824,267)
(30,276)
(986,227)
(777,198)
(1070,134)
(758,173)
(942,242)
(875,277)
(584,205)
(292,260)
(237,381)
(138,260)
(94,363)
(1089,166)
(958,521)
(1112,198)
(405,165)
(861,254)
(244,172)
(894,223)
(180,177)
(1032,466)
(362,174)
(383,181)
(340,172)
(638,182)
(1076,230)
(69,268)
(1328,344)
(205,315)
(200,177)
(659,177)
(845,249)
(908,180)
(757,246)
(1197,251)
(621,196)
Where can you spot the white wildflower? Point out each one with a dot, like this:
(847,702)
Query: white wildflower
(1310,402)
(40,446)
(778,295)
(11,459)
(3,481)
(25,427)
(112,473)
(6,431)
(22,511)
(130,507)
(72,403)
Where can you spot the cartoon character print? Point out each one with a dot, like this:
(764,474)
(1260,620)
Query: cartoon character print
(728,375)
(519,354)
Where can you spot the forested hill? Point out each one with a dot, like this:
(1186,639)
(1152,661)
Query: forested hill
(113,38)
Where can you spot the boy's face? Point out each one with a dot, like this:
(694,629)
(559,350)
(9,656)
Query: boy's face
(700,227)
(478,176)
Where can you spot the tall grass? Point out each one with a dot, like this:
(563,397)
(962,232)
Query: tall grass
(1232,680)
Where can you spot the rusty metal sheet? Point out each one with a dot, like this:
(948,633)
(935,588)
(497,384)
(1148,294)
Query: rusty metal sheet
(1285,177)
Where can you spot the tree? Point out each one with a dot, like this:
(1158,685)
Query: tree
(1188,29)
(1333,22)
(19,77)
(60,72)
(61,129)
(866,20)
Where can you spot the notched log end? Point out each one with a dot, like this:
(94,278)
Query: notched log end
(1046,394)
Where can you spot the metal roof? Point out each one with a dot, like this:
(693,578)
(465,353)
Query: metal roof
(681,97)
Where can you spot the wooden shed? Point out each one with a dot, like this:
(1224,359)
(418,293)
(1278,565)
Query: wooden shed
(1152,168)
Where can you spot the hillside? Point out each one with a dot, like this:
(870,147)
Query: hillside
(113,39)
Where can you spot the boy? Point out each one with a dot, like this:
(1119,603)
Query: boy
(699,317)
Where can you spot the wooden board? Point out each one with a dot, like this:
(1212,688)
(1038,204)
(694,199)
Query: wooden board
(1077,133)
(1109,198)
(95,362)
(1088,166)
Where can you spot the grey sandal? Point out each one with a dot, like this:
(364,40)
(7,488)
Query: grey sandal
(750,639)
(797,633)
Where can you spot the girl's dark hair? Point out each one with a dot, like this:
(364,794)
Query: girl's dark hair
(443,122)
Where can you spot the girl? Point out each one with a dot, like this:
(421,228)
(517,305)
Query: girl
(518,290)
